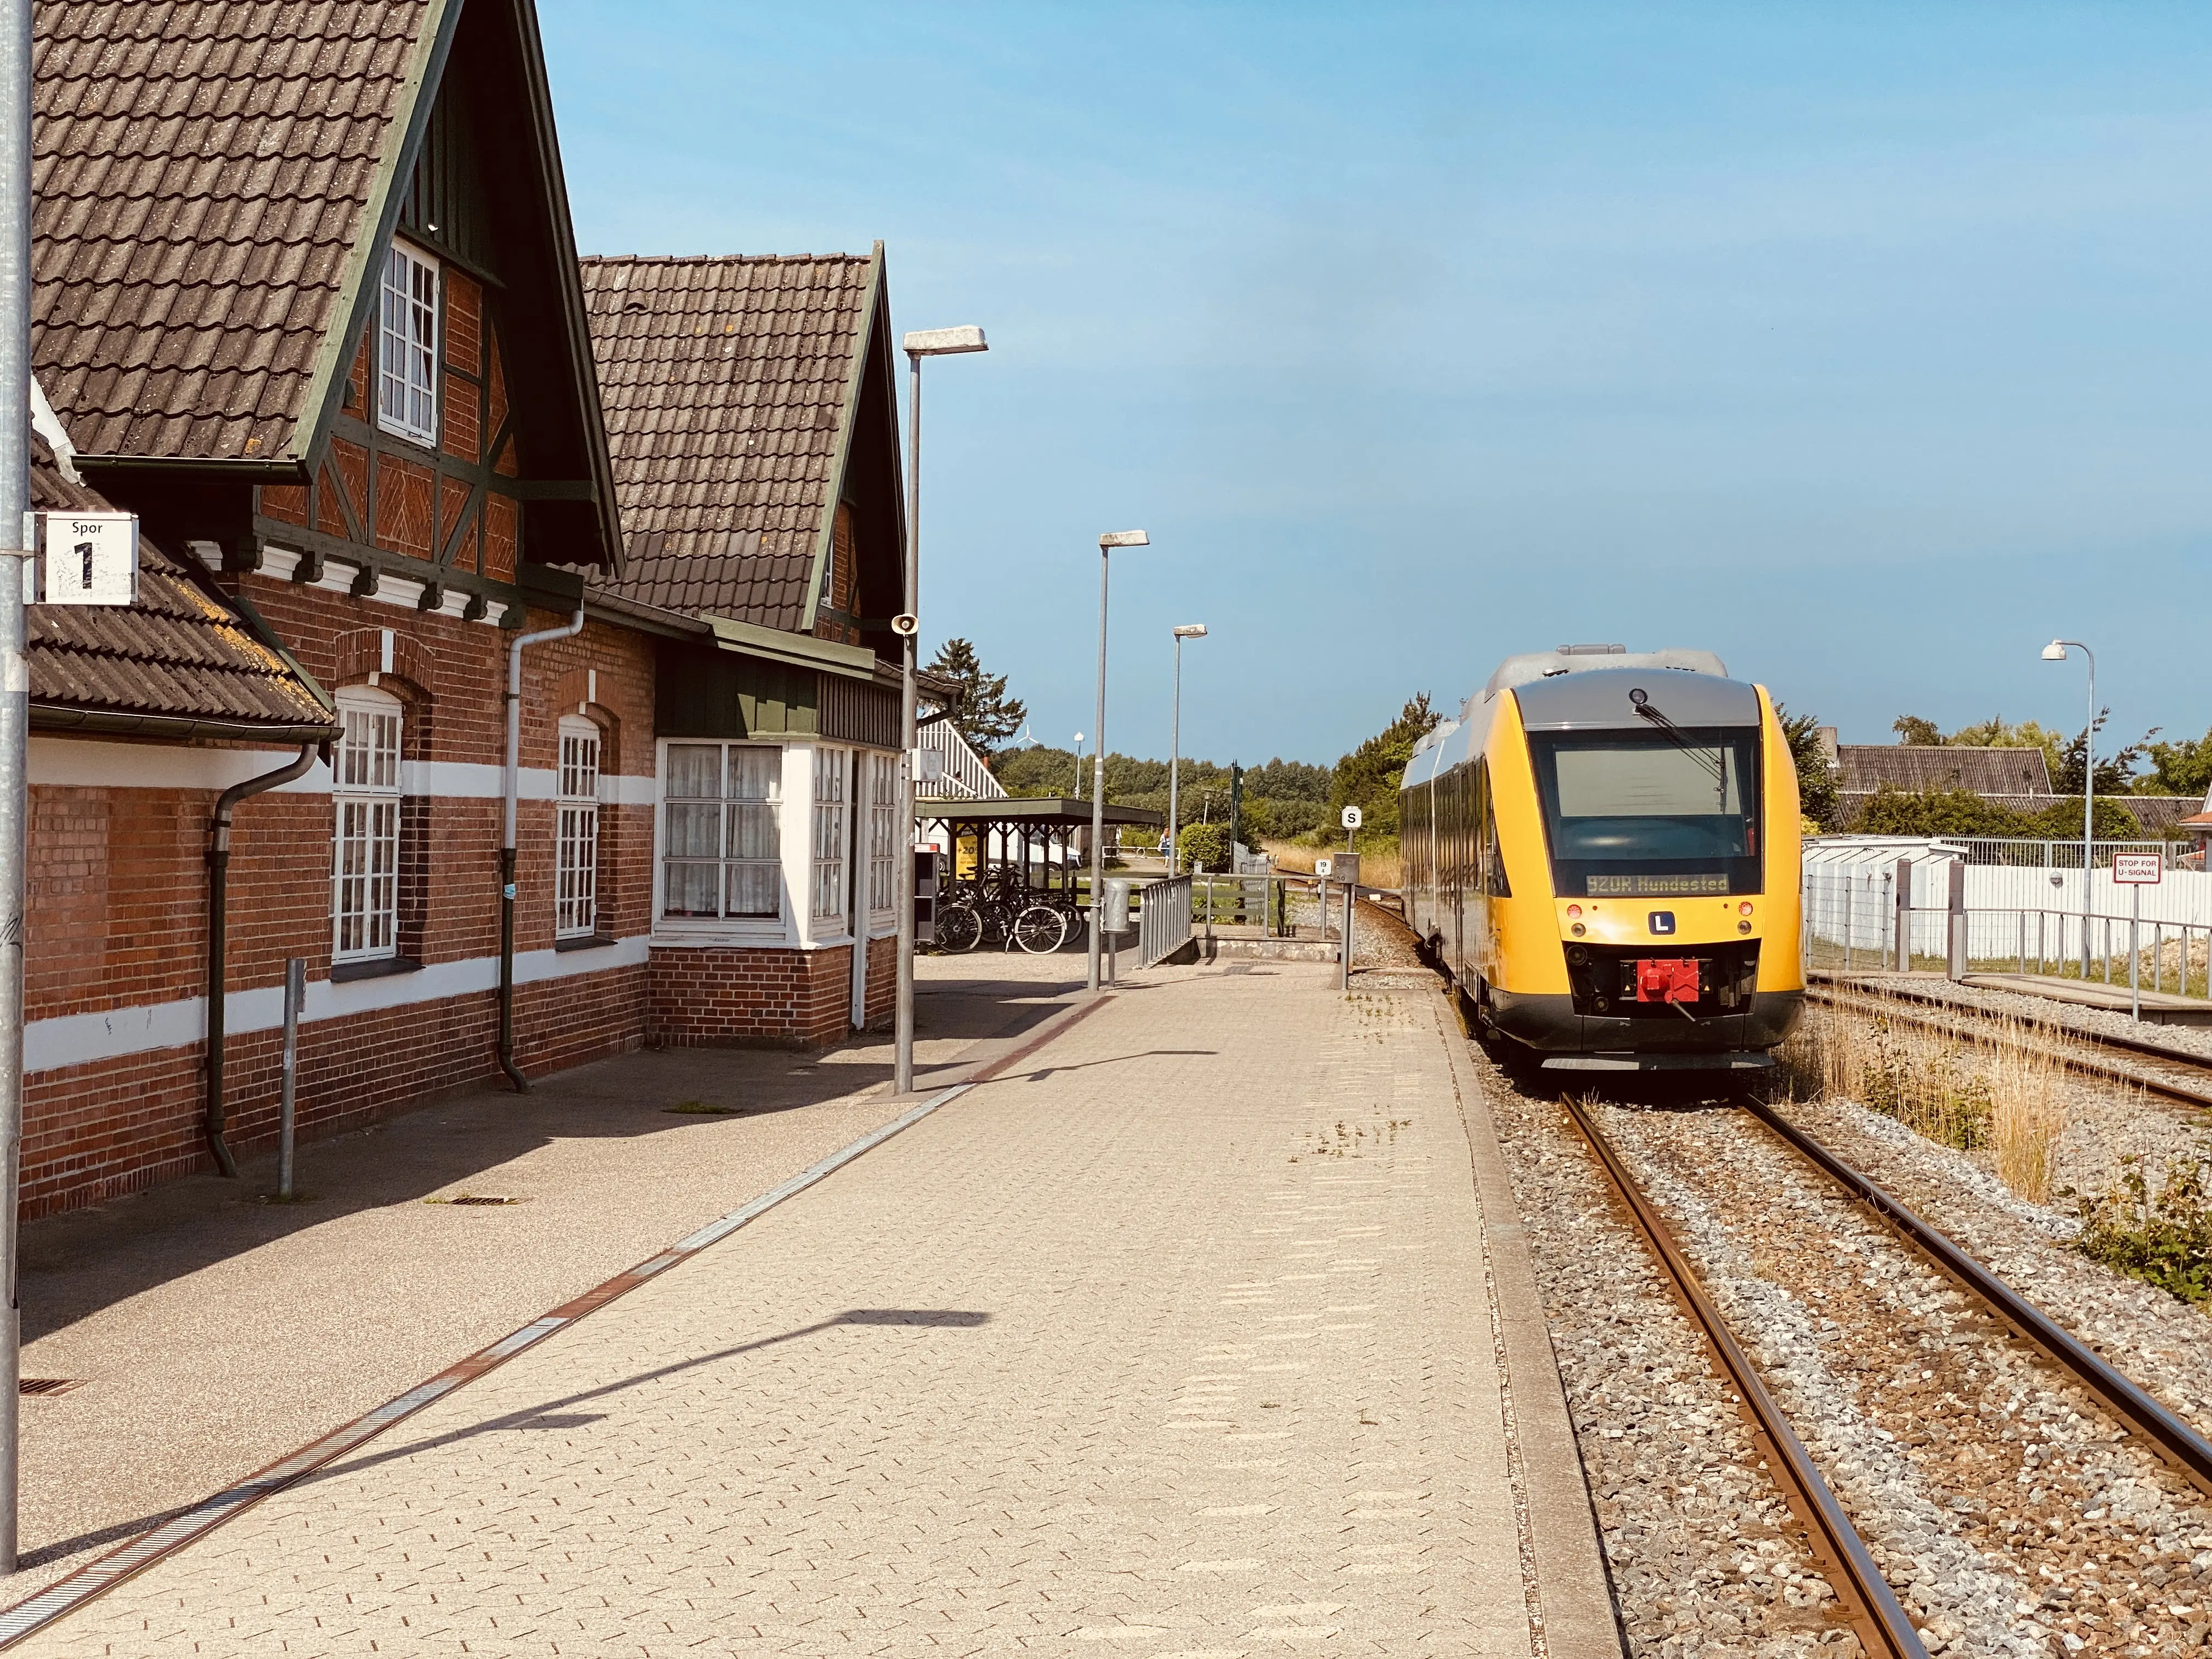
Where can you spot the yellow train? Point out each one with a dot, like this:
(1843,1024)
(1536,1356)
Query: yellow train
(1602,850)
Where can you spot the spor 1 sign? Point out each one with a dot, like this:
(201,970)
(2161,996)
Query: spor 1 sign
(91,558)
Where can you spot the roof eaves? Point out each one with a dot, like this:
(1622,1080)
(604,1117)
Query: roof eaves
(387,194)
(849,417)
(569,276)
(853,661)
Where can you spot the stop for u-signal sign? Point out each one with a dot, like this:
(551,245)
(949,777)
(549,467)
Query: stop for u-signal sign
(2138,869)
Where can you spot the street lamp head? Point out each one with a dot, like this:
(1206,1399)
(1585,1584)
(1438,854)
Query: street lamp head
(943,341)
(1191,631)
(1124,538)
(2055,652)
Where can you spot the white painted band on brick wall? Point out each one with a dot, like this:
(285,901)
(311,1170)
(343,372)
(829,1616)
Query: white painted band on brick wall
(75,763)
(109,1034)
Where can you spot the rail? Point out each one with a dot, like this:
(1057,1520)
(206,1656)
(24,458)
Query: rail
(1163,917)
(1875,1616)
(1882,1004)
(2172,1439)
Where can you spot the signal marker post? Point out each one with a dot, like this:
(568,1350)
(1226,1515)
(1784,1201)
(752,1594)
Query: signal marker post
(2134,871)
(1346,866)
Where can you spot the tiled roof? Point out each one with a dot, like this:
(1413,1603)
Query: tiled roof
(723,382)
(177,653)
(1942,766)
(200,170)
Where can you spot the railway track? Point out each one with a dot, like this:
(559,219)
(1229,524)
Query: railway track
(2153,1066)
(1871,1607)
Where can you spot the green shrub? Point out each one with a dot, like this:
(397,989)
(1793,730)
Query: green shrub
(2163,1238)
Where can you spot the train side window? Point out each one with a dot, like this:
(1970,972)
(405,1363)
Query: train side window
(1491,859)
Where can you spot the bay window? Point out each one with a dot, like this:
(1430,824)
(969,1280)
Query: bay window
(721,834)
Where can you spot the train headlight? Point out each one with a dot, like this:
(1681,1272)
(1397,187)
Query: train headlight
(1743,927)
(1744,909)
(1573,910)
(1578,930)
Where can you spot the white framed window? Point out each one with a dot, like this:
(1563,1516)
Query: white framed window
(576,879)
(722,835)
(365,800)
(883,831)
(407,347)
(829,832)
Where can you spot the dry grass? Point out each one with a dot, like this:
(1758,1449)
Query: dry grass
(1379,869)
(1987,1085)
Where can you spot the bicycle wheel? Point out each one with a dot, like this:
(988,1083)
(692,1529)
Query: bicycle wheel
(1041,930)
(958,928)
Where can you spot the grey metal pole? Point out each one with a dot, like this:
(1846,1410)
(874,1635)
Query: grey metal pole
(1098,780)
(14,694)
(295,997)
(1174,761)
(2089,809)
(2135,953)
(1344,976)
(902,1018)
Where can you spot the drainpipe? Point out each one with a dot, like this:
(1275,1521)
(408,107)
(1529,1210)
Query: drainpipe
(218,859)
(507,843)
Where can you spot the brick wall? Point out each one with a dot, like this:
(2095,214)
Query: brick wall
(118,905)
(883,983)
(99,1130)
(715,997)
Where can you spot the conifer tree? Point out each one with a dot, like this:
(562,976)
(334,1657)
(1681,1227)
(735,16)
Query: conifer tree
(987,716)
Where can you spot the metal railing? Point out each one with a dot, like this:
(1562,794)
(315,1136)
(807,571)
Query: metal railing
(1282,904)
(1162,919)
(2019,852)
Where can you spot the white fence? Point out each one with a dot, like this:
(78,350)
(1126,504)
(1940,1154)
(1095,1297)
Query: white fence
(2025,916)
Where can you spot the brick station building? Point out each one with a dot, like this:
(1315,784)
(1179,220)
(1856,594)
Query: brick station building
(308,303)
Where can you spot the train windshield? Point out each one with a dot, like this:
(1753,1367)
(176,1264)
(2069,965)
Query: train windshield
(1650,814)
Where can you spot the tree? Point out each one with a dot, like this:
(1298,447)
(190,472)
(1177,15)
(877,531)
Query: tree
(1962,813)
(2182,768)
(1816,776)
(1368,776)
(1910,728)
(2115,772)
(986,716)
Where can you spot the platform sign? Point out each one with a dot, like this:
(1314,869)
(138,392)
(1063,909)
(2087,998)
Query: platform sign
(91,558)
(2138,869)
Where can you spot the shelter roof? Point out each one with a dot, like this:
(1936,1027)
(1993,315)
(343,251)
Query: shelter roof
(1059,812)
(730,387)
(1942,766)
(178,663)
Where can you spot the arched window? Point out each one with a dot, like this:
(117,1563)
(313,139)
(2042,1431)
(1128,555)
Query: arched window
(365,800)
(577,833)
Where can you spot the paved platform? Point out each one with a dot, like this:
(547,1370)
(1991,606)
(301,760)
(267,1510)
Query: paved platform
(2159,1008)
(1189,1335)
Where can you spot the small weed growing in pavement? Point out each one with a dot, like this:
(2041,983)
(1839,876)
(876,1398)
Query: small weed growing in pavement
(2162,1237)
(700,1109)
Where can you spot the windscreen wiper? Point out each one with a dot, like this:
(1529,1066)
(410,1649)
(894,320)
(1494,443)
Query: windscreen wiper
(1708,758)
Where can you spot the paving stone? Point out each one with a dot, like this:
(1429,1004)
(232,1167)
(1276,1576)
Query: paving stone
(1173,1342)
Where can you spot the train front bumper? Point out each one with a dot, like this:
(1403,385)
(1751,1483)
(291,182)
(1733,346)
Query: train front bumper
(1549,1024)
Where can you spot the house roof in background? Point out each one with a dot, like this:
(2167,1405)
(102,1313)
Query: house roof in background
(202,170)
(1942,766)
(176,658)
(729,385)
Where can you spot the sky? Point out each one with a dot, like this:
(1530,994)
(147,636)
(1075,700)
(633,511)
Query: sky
(1868,345)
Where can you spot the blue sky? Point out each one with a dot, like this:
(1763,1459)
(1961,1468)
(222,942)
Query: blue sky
(1866,344)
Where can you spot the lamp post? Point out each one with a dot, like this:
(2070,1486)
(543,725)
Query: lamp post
(2055,651)
(1187,631)
(919,344)
(1107,544)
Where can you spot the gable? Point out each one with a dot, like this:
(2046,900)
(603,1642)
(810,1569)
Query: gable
(200,174)
(219,187)
(746,398)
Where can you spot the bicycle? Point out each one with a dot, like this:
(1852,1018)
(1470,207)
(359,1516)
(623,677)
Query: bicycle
(1003,908)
